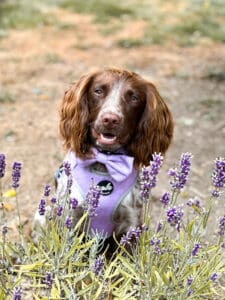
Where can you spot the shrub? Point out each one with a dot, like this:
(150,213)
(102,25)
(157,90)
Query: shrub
(169,260)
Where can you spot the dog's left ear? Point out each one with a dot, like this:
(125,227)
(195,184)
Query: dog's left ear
(155,129)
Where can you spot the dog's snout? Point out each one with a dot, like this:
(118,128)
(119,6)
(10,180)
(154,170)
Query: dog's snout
(110,119)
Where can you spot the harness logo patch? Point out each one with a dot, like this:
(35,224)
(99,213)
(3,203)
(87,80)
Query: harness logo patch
(106,187)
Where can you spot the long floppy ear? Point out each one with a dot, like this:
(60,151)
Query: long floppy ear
(74,117)
(155,129)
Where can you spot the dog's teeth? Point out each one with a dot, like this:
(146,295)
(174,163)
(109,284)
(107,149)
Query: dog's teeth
(107,138)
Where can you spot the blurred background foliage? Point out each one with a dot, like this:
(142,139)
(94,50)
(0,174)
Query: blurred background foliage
(184,22)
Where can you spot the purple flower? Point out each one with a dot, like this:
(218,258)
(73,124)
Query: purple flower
(174,216)
(73,203)
(189,281)
(2,165)
(41,208)
(47,190)
(155,165)
(69,184)
(149,176)
(92,200)
(221,230)
(17,293)
(155,243)
(67,168)
(59,211)
(133,233)
(53,200)
(180,174)
(144,227)
(215,193)
(196,205)
(98,265)
(195,249)
(218,176)
(213,277)
(48,279)
(126,238)
(159,227)
(145,186)
(194,202)
(16,174)
(4,230)
(165,198)
(68,223)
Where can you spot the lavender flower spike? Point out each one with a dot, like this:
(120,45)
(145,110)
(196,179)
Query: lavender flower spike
(149,176)
(98,265)
(221,229)
(47,190)
(218,176)
(67,168)
(194,251)
(213,277)
(59,211)
(174,216)
(189,281)
(41,208)
(16,174)
(17,293)
(165,198)
(2,165)
(133,233)
(181,172)
(92,200)
(48,279)
(68,223)
(73,203)
(4,230)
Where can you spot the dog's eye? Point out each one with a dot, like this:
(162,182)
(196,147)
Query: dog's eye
(134,98)
(98,91)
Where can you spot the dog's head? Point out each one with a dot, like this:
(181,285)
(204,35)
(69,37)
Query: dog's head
(112,109)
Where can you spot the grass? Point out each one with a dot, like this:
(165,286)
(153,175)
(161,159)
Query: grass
(23,14)
(185,23)
(52,58)
(6,97)
(103,10)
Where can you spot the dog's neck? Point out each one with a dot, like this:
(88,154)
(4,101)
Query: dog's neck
(120,151)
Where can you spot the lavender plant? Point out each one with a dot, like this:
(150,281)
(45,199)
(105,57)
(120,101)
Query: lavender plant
(175,260)
(168,259)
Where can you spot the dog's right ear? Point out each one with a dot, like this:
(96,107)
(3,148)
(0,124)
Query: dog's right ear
(74,117)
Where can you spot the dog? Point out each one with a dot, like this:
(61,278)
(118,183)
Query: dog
(111,122)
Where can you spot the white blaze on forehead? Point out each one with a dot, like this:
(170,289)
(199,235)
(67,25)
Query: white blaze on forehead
(112,103)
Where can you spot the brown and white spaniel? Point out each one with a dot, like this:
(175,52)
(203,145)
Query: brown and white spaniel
(107,114)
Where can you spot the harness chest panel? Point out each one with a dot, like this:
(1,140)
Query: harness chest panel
(112,191)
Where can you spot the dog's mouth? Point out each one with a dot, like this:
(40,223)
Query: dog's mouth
(105,138)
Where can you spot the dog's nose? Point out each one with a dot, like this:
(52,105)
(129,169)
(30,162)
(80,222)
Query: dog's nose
(110,119)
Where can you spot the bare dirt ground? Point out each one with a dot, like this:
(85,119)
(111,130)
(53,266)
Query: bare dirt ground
(37,65)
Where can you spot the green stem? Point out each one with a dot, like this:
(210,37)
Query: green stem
(20,227)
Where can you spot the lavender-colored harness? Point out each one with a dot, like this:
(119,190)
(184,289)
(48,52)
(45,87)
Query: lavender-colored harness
(114,185)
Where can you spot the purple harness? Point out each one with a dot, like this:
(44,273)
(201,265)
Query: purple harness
(114,185)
